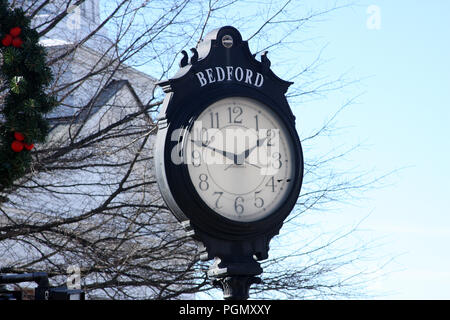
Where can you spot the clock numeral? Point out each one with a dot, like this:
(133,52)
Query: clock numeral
(236,110)
(218,198)
(196,158)
(238,207)
(203,184)
(277,163)
(259,202)
(201,135)
(214,116)
(271,184)
(270,135)
(256,121)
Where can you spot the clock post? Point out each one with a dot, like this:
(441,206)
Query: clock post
(228,158)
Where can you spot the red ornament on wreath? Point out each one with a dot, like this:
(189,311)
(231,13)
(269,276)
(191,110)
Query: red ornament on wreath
(13,38)
(17,146)
(15,32)
(7,40)
(19,136)
(17,42)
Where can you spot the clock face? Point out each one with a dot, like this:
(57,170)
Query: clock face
(240,159)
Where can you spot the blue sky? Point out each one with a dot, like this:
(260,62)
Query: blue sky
(402,117)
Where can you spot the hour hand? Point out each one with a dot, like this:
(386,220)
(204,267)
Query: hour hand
(226,154)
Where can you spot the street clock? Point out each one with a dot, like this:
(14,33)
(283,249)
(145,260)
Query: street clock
(228,159)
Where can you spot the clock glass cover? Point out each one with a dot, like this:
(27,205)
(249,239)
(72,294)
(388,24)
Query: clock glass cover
(240,159)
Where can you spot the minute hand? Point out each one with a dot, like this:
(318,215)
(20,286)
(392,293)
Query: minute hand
(247,152)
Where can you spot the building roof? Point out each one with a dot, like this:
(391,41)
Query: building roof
(96,103)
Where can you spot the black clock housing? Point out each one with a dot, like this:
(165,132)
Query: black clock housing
(221,66)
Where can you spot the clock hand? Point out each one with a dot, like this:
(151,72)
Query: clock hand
(240,158)
(226,154)
(245,161)
(247,152)
(252,164)
(236,158)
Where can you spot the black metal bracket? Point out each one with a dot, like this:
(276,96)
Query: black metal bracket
(234,278)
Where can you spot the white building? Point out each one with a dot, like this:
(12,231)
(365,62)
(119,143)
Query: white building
(93,55)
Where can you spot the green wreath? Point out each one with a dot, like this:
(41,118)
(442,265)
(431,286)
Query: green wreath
(24,75)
